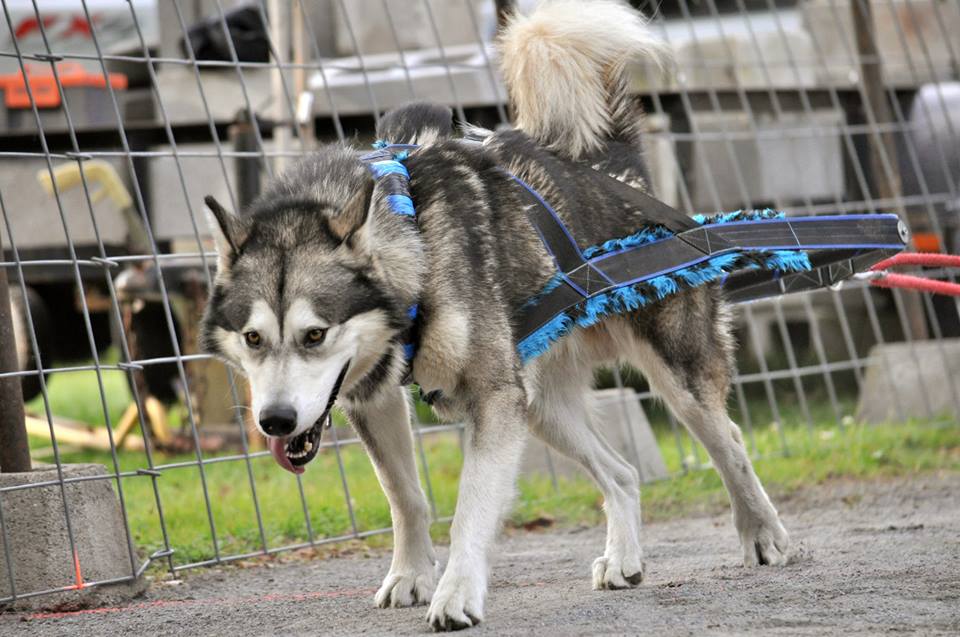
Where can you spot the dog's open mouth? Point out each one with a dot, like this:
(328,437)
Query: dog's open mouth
(295,452)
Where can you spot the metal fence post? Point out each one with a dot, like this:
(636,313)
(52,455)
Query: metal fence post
(14,451)
(247,168)
(883,150)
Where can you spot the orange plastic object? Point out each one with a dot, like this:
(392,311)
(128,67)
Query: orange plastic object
(926,242)
(44,85)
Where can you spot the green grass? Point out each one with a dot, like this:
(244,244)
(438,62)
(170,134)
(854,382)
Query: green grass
(854,452)
(823,452)
(76,395)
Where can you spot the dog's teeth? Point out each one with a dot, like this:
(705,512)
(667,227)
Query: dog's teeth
(308,446)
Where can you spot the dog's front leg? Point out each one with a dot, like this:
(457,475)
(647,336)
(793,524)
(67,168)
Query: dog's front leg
(492,453)
(383,425)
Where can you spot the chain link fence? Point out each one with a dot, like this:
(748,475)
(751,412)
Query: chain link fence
(119,116)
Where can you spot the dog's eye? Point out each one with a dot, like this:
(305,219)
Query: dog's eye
(252,338)
(314,337)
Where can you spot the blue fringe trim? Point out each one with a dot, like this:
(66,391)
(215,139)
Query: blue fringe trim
(655,233)
(788,261)
(647,235)
(630,298)
(738,215)
(714,269)
(541,340)
(664,285)
(555,281)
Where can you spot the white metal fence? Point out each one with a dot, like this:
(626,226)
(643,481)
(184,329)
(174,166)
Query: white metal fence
(808,106)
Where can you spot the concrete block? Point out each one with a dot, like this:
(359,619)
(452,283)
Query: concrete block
(374,27)
(911,380)
(786,157)
(34,535)
(620,419)
(35,217)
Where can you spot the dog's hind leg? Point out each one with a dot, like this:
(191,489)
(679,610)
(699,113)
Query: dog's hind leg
(560,416)
(383,425)
(683,350)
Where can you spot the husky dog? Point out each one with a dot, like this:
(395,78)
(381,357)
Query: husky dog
(315,281)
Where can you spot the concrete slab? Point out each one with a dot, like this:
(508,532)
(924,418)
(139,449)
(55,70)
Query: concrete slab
(34,538)
(911,380)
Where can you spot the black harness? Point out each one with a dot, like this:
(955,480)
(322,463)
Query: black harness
(751,255)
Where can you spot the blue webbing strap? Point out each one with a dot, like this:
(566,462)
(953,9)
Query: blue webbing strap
(392,181)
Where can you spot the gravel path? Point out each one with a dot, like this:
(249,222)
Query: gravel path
(871,558)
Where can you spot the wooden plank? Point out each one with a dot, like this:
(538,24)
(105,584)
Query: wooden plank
(73,433)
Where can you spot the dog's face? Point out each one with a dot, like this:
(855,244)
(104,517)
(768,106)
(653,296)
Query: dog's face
(296,308)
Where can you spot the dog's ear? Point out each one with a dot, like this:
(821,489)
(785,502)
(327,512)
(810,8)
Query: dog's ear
(227,230)
(353,217)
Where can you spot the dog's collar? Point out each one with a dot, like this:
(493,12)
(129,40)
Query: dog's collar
(392,182)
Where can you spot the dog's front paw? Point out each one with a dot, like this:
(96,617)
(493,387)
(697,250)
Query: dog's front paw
(765,542)
(611,573)
(458,602)
(407,587)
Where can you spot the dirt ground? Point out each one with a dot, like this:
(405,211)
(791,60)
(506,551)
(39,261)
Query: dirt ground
(870,558)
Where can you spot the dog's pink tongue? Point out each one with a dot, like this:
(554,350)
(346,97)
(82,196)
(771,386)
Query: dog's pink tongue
(276,449)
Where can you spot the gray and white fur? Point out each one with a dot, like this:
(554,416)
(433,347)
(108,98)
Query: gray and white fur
(315,279)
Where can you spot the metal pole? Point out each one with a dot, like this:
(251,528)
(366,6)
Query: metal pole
(244,140)
(280,36)
(886,179)
(14,450)
(305,126)
(871,74)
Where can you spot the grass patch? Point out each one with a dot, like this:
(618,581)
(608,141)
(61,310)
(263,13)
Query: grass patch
(76,395)
(855,452)
(317,507)
(858,451)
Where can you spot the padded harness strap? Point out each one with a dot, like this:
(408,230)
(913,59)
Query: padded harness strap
(838,246)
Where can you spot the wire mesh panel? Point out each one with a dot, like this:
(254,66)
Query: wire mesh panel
(119,117)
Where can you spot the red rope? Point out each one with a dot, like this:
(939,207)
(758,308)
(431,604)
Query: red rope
(909,282)
(927,259)
(917,283)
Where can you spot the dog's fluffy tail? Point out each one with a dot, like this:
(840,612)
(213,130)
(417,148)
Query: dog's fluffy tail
(565,70)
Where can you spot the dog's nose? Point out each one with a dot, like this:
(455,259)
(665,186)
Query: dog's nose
(278,420)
